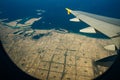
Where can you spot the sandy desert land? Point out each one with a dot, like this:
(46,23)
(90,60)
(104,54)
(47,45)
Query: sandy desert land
(53,54)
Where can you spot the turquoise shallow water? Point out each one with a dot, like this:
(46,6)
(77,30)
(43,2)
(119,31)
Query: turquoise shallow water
(55,16)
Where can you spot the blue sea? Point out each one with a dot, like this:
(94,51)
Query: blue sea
(55,15)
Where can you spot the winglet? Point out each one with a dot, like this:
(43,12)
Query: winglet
(68,10)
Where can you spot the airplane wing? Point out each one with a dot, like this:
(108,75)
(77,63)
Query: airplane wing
(108,26)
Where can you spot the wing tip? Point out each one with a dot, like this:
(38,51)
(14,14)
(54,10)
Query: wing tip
(68,10)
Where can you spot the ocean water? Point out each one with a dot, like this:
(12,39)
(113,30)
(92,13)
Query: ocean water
(54,15)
